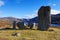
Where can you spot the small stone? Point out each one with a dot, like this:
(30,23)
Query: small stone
(16,34)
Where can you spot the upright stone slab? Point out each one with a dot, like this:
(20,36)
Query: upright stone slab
(20,25)
(34,25)
(44,18)
(14,25)
(30,24)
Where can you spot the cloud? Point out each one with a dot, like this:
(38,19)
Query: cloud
(30,16)
(55,11)
(34,14)
(54,4)
(2,3)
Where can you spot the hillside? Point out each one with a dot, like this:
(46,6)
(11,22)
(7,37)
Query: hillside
(55,19)
(4,23)
(7,22)
(11,19)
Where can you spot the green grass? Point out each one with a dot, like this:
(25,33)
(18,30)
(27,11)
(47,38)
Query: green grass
(30,35)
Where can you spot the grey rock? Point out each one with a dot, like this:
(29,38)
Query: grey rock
(16,34)
(44,18)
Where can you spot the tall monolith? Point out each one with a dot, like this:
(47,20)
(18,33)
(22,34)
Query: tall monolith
(44,18)
(14,25)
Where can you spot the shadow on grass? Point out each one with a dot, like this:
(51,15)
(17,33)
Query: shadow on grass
(16,29)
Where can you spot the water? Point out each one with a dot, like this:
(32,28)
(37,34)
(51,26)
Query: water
(55,24)
(26,23)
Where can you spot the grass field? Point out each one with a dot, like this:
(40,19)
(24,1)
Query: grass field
(30,34)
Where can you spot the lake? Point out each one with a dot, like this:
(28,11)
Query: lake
(55,24)
(50,24)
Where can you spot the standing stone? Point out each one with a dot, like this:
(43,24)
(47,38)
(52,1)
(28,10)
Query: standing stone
(30,24)
(20,25)
(34,25)
(44,18)
(14,25)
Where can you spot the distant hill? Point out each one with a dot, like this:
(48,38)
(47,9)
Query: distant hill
(55,19)
(4,23)
(9,20)
(34,20)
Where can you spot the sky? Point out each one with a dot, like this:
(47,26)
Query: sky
(26,8)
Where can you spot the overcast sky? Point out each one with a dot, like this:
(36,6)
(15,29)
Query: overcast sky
(26,8)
